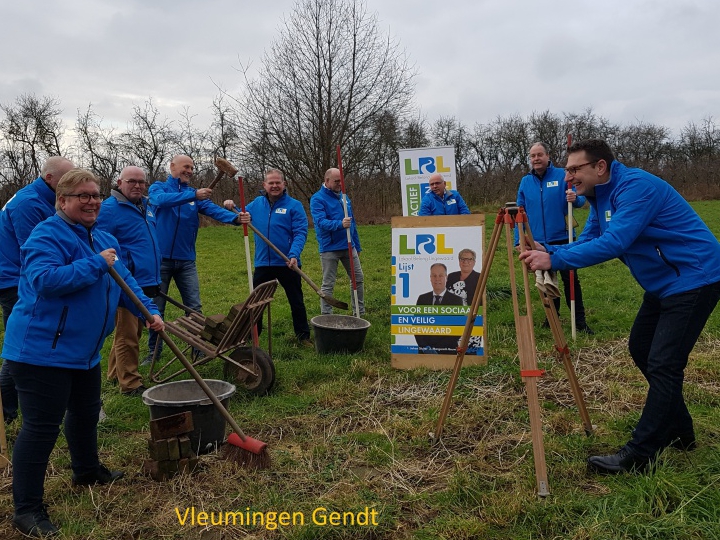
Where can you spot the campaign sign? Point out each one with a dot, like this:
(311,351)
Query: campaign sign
(416,166)
(436,264)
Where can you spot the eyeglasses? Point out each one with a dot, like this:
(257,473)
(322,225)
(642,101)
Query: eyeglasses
(573,170)
(85,197)
(136,182)
(466,259)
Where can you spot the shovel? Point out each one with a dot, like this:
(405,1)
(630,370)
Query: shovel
(334,302)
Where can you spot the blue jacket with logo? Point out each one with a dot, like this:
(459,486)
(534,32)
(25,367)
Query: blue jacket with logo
(28,207)
(67,298)
(284,223)
(640,219)
(327,212)
(177,216)
(450,204)
(135,231)
(545,204)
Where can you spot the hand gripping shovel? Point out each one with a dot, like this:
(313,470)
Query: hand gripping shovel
(334,302)
(250,452)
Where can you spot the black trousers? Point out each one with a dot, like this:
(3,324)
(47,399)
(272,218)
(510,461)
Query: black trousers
(292,283)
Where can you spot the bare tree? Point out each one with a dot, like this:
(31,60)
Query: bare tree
(326,80)
(150,140)
(31,131)
(98,146)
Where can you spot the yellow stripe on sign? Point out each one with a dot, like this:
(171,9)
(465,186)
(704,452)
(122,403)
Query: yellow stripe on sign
(392,270)
(399,329)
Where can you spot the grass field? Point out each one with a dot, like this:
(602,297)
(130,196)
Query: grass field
(348,434)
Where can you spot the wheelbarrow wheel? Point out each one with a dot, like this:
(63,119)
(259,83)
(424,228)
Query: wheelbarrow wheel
(264,368)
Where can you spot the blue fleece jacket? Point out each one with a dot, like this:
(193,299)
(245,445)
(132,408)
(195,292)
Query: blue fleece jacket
(328,213)
(177,215)
(28,207)
(545,204)
(67,298)
(284,223)
(640,219)
(450,204)
(135,231)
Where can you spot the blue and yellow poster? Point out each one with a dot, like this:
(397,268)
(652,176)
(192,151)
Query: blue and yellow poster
(436,264)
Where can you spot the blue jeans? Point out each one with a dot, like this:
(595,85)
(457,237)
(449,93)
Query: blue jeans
(186,280)
(329,261)
(8,299)
(663,334)
(45,394)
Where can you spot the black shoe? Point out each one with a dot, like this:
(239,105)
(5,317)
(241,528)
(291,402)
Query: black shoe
(583,327)
(626,460)
(686,441)
(102,475)
(135,391)
(35,524)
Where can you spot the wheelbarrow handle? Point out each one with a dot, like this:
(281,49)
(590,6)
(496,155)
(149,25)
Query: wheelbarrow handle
(185,362)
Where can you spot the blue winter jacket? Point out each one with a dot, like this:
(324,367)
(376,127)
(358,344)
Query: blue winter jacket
(177,216)
(450,204)
(545,203)
(28,207)
(327,212)
(284,223)
(67,298)
(135,231)
(643,221)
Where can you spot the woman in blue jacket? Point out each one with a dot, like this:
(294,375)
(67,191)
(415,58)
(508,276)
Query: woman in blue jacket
(66,308)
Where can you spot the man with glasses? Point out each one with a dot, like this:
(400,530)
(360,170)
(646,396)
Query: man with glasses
(127,216)
(464,282)
(544,195)
(440,201)
(28,207)
(640,219)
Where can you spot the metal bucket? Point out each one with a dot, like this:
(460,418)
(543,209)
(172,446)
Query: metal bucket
(339,333)
(180,396)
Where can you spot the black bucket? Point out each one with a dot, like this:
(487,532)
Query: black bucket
(339,333)
(180,396)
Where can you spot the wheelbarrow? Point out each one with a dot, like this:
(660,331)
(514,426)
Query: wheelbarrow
(226,337)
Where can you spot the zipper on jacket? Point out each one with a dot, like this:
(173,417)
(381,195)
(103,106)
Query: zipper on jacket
(107,305)
(177,224)
(671,265)
(61,326)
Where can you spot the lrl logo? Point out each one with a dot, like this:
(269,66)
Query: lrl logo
(426,165)
(424,243)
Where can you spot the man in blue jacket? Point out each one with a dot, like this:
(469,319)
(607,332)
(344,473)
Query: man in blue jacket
(643,221)
(177,207)
(28,207)
(127,216)
(282,220)
(441,201)
(331,227)
(544,196)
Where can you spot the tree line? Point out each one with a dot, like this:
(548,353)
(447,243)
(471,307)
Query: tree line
(333,77)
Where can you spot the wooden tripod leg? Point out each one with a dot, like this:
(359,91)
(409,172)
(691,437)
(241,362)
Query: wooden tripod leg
(527,353)
(470,322)
(4,456)
(562,346)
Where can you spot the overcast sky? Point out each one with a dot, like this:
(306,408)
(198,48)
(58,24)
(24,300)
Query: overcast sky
(655,61)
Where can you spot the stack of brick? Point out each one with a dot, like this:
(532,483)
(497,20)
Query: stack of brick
(217,325)
(170,448)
